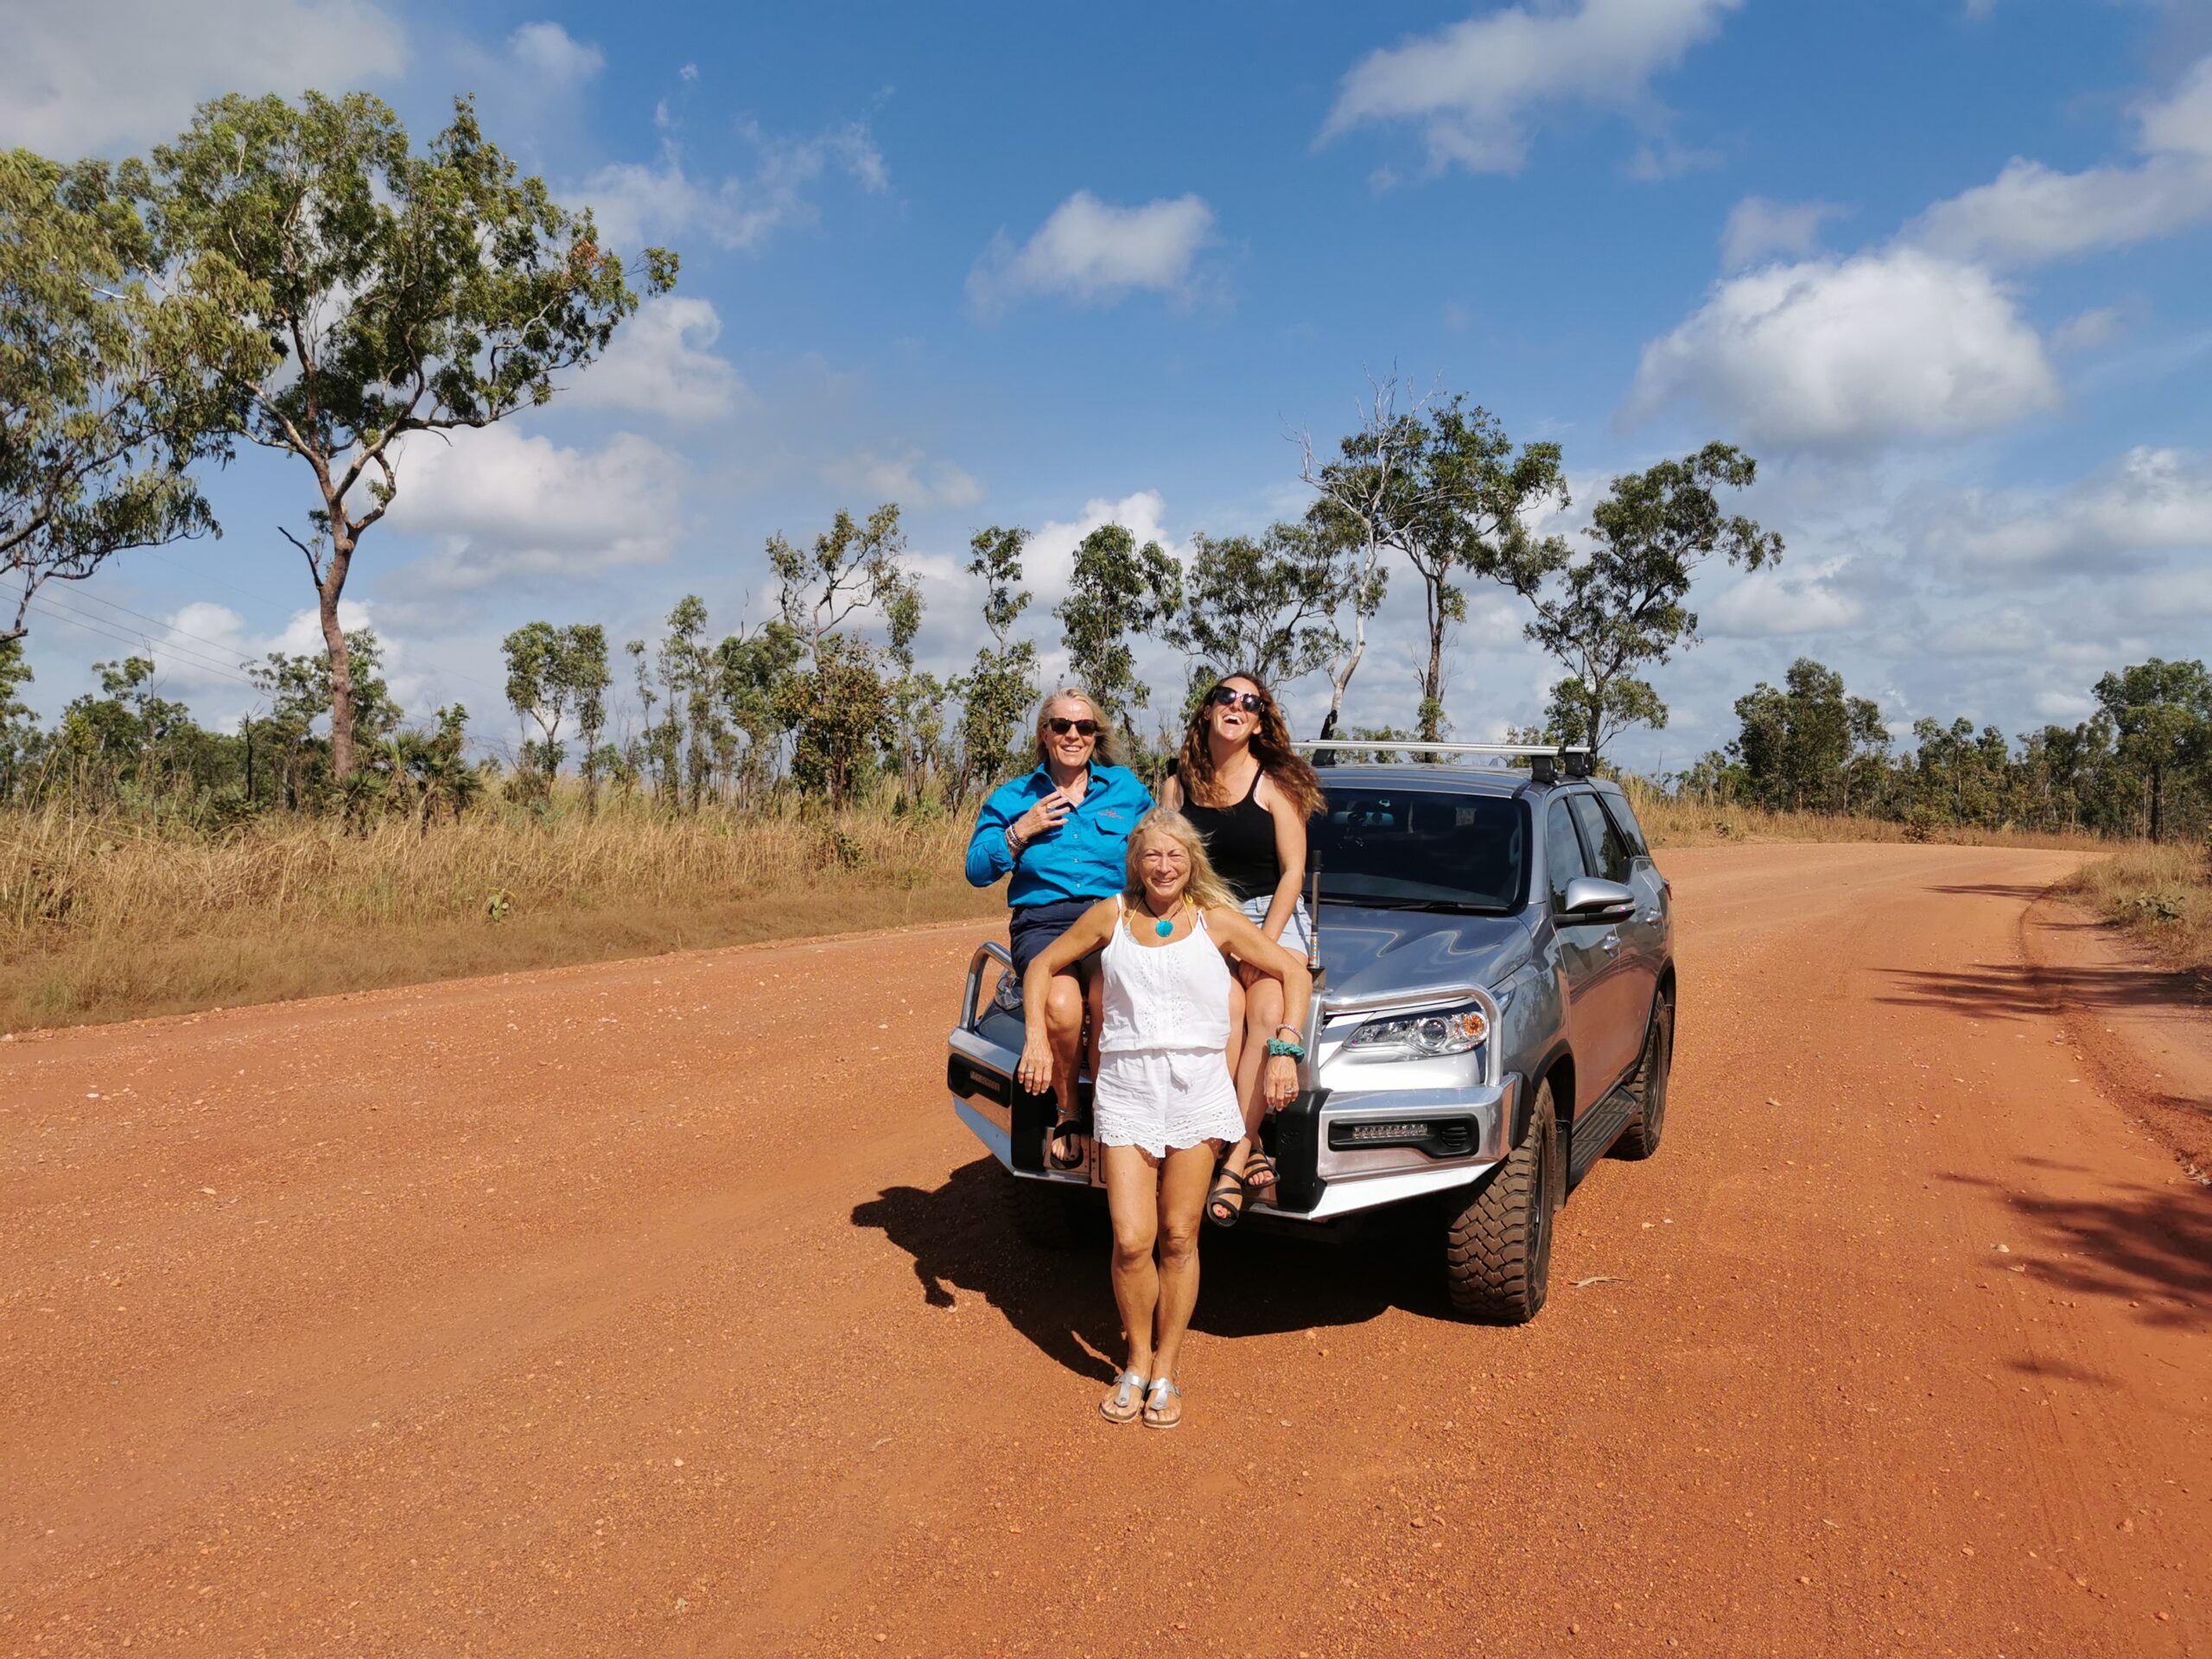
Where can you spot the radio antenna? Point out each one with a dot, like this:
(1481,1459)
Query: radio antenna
(1313,913)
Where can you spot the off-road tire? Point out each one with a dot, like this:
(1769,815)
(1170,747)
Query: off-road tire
(1647,1118)
(1497,1240)
(1048,1216)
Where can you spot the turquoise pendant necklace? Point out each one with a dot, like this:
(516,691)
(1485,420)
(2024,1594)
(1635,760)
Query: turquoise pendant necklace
(1162,926)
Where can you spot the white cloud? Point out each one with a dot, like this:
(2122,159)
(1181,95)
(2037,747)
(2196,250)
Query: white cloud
(635,203)
(1852,355)
(1782,601)
(903,478)
(2150,502)
(1472,85)
(660,362)
(2031,212)
(101,76)
(500,503)
(551,51)
(1758,227)
(1095,252)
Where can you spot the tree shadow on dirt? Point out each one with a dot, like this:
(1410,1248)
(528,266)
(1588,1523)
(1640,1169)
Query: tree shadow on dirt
(962,1238)
(2013,992)
(2151,1248)
(2025,891)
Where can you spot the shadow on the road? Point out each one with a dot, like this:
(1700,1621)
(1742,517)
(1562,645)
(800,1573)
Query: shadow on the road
(963,1239)
(2011,991)
(2025,891)
(2151,1249)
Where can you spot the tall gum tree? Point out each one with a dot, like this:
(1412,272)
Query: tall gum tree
(374,293)
(104,403)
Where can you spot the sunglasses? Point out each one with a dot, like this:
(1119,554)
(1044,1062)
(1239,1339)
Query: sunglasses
(1230,698)
(1061,726)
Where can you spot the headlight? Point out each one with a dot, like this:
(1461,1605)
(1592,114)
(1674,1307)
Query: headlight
(1447,1031)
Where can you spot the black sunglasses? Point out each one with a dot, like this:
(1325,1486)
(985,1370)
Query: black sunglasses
(1230,698)
(1061,726)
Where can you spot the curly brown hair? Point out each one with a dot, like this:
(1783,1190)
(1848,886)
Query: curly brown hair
(1286,768)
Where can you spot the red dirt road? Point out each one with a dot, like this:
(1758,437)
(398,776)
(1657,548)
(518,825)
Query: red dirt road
(665,1308)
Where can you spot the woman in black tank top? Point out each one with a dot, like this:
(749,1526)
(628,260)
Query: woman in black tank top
(1249,794)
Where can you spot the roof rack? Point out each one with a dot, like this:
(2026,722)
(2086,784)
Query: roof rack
(1546,760)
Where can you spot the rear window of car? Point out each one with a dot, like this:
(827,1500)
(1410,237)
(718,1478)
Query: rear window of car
(1608,852)
(1625,817)
(1382,846)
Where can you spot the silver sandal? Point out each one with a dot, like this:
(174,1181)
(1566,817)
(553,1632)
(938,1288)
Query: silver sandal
(1126,1402)
(1156,1405)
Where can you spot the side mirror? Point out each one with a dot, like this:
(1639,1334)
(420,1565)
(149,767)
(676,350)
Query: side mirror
(1593,899)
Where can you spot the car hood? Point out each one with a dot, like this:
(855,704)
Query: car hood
(1370,952)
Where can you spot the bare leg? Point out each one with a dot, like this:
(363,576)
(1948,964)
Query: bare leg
(1064,1031)
(1133,1201)
(1263,1012)
(1183,1178)
(1236,1049)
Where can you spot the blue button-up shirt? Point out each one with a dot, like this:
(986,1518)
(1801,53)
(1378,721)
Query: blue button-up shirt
(1087,857)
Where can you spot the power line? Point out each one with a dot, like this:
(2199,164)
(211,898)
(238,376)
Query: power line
(170,629)
(230,668)
(44,609)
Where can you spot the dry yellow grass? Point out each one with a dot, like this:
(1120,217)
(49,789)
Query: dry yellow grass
(1673,822)
(2163,895)
(101,920)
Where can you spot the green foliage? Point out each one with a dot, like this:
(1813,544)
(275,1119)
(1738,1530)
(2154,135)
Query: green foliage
(1116,590)
(1266,605)
(351,291)
(551,674)
(2161,716)
(1442,486)
(103,396)
(1002,684)
(835,702)
(1621,608)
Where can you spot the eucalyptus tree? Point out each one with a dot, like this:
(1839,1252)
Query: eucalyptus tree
(1002,682)
(1116,589)
(1439,485)
(2161,714)
(1619,608)
(104,388)
(1265,604)
(835,702)
(374,293)
(552,674)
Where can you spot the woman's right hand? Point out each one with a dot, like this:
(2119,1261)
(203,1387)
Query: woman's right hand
(1043,818)
(1035,1073)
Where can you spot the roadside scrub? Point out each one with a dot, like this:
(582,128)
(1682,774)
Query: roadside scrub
(103,919)
(2162,895)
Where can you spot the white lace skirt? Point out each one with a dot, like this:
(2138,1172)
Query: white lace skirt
(1157,1098)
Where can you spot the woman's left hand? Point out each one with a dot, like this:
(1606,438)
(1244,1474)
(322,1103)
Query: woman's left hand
(1282,1080)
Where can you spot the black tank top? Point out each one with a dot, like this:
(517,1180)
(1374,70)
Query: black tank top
(1240,840)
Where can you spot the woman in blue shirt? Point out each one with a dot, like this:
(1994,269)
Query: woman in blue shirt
(1062,832)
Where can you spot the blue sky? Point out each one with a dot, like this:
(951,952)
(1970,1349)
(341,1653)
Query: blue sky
(1940,266)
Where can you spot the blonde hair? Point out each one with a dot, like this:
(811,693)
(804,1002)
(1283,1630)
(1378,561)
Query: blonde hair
(1103,751)
(1202,885)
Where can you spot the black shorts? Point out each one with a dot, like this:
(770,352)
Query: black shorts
(1032,927)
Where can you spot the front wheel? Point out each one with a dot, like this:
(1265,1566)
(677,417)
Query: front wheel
(1497,1240)
(1641,1138)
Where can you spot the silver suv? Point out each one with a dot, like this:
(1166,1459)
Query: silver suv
(1494,1013)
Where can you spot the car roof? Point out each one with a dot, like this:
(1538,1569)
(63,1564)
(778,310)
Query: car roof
(1427,776)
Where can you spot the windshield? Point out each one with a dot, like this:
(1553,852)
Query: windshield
(1387,847)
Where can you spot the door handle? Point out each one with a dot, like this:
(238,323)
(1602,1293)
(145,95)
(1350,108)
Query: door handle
(1611,942)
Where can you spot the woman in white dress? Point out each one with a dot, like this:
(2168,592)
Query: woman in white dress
(1164,1101)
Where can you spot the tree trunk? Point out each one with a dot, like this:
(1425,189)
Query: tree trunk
(341,665)
(1432,684)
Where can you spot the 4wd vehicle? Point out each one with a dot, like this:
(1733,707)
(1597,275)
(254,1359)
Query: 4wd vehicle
(1494,1013)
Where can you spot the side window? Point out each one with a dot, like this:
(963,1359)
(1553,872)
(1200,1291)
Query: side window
(1618,809)
(1605,843)
(1562,852)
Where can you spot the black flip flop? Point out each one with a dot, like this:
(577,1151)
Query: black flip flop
(1063,1131)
